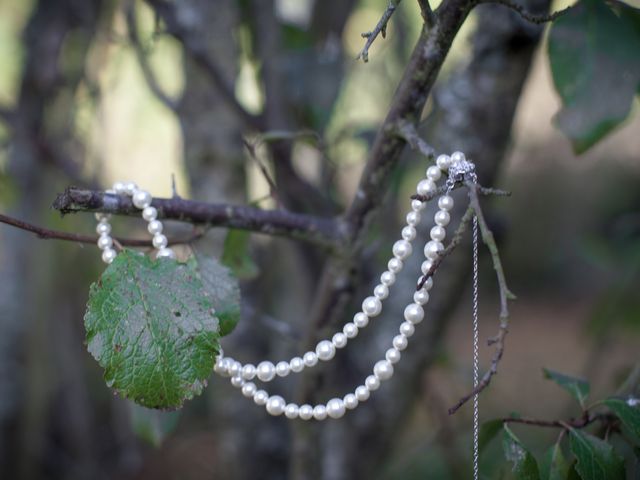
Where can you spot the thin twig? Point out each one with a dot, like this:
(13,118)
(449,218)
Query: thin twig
(380,29)
(427,13)
(581,422)
(273,190)
(407,131)
(537,19)
(319,230)
(143,61)
(48,234)
(505,296)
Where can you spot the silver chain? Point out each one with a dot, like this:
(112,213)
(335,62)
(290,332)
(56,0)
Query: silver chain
(458,172)
(476,355)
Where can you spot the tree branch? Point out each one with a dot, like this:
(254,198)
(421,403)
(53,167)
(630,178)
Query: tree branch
(427,13)
(582,422)
(143,61)
(528,16)
(194,47)
(380,29)
(407,131)
(505,296)
(48,234)
(317,230)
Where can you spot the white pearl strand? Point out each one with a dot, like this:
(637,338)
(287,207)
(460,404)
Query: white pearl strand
(325,350)
(141,199)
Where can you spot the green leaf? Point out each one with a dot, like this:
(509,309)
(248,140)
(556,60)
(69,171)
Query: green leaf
(152,426)
(596,458)
(151,326)
(555,465)
(222,288)
(525,466)
(596,69)
(628,415)
(488,431)
(577,387)
(235,255)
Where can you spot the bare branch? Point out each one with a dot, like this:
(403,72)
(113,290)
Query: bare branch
(143,61)
(273,190)
(48,234)
(581,422)
(528,16)
(380,29)
(427,13)
(505,296)
(197,50)
(321,231)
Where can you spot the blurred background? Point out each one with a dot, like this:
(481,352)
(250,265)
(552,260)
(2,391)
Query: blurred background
(93,91)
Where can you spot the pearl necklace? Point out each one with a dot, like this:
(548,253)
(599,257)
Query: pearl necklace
(457,168)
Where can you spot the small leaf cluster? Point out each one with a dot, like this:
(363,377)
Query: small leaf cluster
(587,448)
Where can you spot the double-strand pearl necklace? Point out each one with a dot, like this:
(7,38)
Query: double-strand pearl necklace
(241,376)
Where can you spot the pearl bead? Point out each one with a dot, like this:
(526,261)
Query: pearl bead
(392,355)
(319,412)
(237,381)
(428,284)
(166,253)
(154,227)
(310,359)
(249,371)
(381,292)
(130,188)
(402,249)
(219,366)
(407,329)
(225,364)
(235,368)
(275,405)
(350,329)
(119,188)
(350,401)
(442,218)
(325,350)
(249,389)
(434,173)
(413,218)
(339,340)
(457,157)
(292,411)
(400,342)
(260,397)
(371,306)
(360,320)
(383,370)
(438,233)
(426,266)
(408,233)
(395,265)
(159,241)
(266,371)
(443,162)
(372,383)
(108,255)
(421,296)
(335,408)
(149,213)
(105,241)
(417,205)
(432,249)
(388,278)
(283,369)
(103,228)
(426,187)
(445,202)
(305,412)
(296,364)
(141,199)
(362,393)
(414,313)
